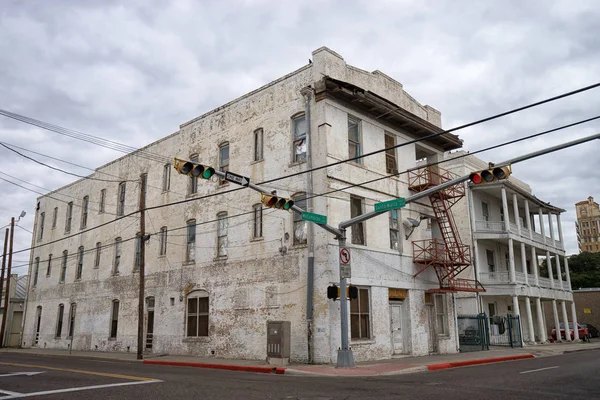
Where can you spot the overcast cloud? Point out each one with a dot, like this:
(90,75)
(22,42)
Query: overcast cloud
(132,71)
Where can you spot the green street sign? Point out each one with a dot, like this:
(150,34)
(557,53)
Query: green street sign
(316,218)
(390,205)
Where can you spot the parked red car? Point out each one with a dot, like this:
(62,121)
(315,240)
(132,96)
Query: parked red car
(583,332)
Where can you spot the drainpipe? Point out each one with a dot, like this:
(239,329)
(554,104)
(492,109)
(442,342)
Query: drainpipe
(307,94)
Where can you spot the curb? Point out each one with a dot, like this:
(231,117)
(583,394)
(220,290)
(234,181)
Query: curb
(298,372)
(245,368)
(435,367)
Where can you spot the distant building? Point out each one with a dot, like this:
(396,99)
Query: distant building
(14,317)
(588,225)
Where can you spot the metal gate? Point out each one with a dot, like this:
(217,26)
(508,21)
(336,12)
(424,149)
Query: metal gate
(505,331)
(473,333)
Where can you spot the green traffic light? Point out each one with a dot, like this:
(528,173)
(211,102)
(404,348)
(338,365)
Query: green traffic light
(208,172)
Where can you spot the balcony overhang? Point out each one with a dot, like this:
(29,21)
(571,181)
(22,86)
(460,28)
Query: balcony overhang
(535,204)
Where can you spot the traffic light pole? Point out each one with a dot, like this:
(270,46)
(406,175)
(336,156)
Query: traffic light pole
(142,272)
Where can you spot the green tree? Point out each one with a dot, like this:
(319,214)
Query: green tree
(584,269)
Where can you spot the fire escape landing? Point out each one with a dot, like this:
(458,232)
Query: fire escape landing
(448,256)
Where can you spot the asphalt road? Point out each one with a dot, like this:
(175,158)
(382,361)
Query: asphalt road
(570,376)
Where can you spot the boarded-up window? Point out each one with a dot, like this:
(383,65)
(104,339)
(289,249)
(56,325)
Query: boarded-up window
(391,166)
(356,209)
(360,324)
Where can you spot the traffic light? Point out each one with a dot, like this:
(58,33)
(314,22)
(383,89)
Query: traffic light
(333,292)
(490,175)
(193,169)
(276,202)
(352,292)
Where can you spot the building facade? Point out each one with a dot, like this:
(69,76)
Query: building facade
(218,264)
(14,315)
(588,225)
(512,232)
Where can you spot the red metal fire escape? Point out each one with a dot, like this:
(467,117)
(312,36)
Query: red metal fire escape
(448,256)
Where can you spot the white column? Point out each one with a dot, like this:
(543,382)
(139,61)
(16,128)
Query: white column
(528,215)
(529,319)
(556,321)
(517,311)
(516,210)
(535,266)
(560,233)
(542,228)
(567,273)
(505,209)
(566,321)
(524,262)
(511,261)
(574,317)
(540,320)
(551,227)
(475,258)
(558,272)
(549,264)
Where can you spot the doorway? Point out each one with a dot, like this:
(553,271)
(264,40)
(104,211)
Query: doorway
(398,328)
(149,322)
(38,320)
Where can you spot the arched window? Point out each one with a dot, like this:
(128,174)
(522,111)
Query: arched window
(222,234)
(300,228)
(59,320)
(223,159)
(114,319)
(72,320)
(197,314)
(193,186)
(299,138)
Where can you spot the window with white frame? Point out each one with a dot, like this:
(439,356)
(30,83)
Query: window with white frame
(98,253)
(441,316)
(193,181)
(257,224)
(84,211)
(49,266)
(166,181)
(258,144)
(391,166)
(490,260)
(485,211)
(41,230)
(63,268)
(54,217)
(300,227)
(79,269)
(222,234)
(223,160)
(299,143)
(190,254)
(360,316)
(121,200)
(59,320)
(163,241)
(197,314)
(114,319)
(117,260)
(36,271)
(69,217)
(102,201)
(354,142)
(394,231)
(358,229)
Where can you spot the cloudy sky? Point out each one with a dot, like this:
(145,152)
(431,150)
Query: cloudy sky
(132,71)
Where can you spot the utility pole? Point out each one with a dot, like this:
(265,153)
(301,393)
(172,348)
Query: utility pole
(3,263)
(7,295)
(140,341)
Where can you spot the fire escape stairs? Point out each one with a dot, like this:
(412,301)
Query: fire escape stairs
(448,256)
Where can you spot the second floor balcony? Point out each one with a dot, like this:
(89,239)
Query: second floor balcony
(503,278)
(499,227)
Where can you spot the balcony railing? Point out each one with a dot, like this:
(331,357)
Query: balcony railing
(500,227)
(494,277)
(503,278)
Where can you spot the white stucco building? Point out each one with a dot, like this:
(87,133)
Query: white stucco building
(219,267)
(512,232)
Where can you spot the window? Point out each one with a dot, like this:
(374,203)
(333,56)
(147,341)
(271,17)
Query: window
(502,214)
(223,160)
(69,217)
(190,254)
(299,128)
(391,166)
(144,184)
(257,226)
(54,217)
(63,268)
(121,200)
(439,303)
(59,320)
(163,241)
(102,201)
(193,185)
(41,231)
(300,228)
(79,270)
(117,255)
(197,314)
(37,270)
(166,182)
(490,260)
(485,211)
(98,251)
(394,233)
(354,139)
(72,320)
(258,144)
(222,235)
(360,326)
(48,268)
(84,211)
(114,319)
(138,252)
(358,230)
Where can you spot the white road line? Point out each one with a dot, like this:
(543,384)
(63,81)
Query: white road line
(536,370)
(75,389)
(8,393)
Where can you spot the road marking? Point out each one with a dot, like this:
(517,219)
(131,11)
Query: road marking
(77,389)
(80,371)
(536,370)
(9,393)
(21,373)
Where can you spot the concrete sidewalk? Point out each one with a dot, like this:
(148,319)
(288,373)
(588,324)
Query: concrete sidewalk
(392,366)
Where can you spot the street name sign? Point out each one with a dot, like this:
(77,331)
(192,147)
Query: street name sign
(390,205)
(312,217)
